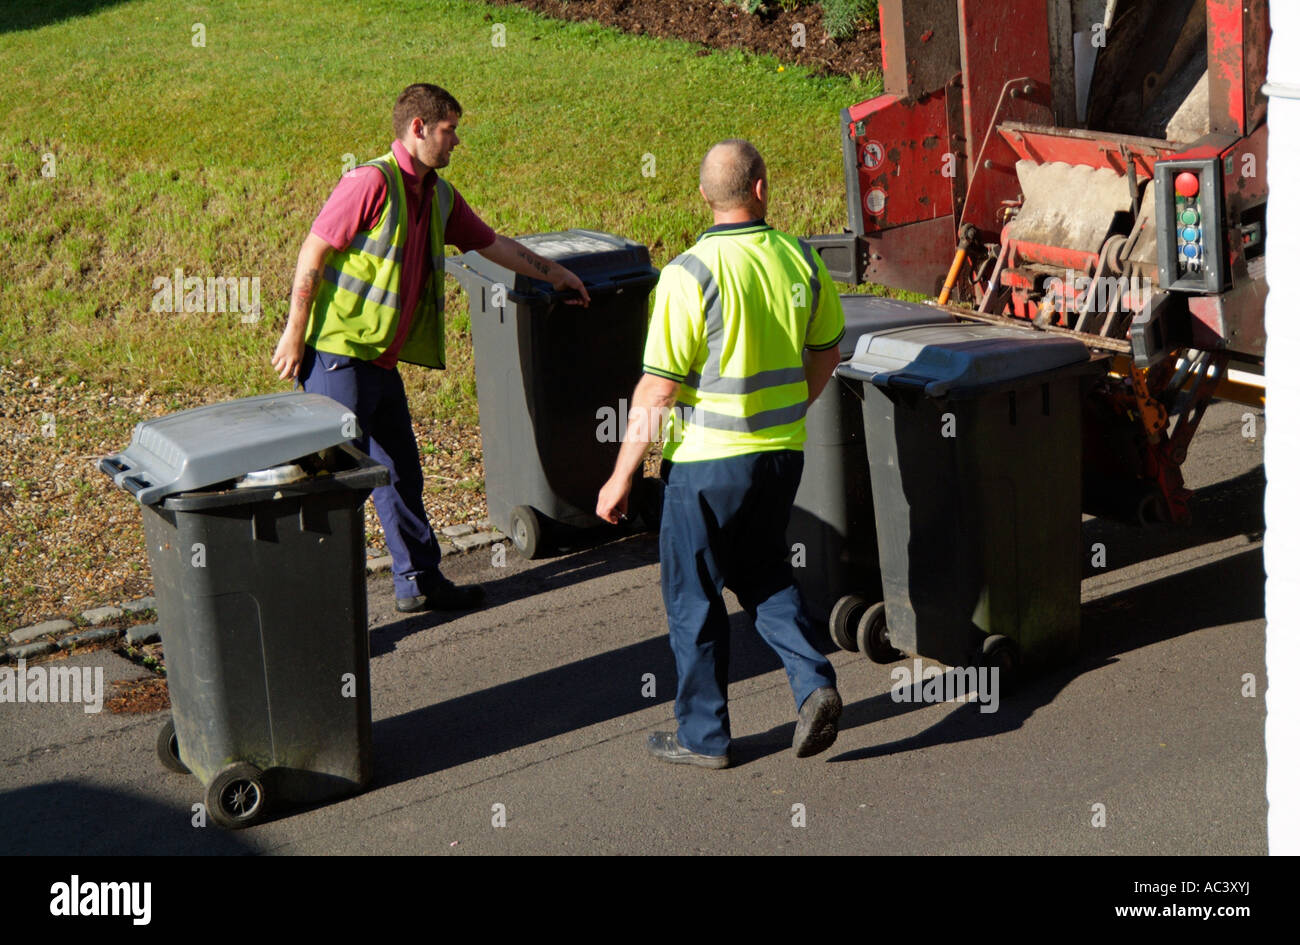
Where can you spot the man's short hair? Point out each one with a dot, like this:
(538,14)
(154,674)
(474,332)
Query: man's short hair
(424,101)
(728,172)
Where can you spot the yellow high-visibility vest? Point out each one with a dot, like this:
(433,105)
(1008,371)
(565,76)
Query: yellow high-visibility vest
(356,310)
(732,316)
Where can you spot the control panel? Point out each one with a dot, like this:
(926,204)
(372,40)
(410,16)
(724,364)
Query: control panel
(1189,238)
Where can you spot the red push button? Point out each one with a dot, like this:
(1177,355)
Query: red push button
(1187,184)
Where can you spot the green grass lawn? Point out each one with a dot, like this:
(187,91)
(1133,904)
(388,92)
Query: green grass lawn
(214,159)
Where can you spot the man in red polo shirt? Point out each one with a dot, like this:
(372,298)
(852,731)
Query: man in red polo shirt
(368,292)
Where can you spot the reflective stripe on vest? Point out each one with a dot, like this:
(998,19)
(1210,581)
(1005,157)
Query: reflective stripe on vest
(359,316)
(369,293)
(778,416)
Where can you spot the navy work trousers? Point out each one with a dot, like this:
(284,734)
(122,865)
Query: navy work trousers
(724,523)
(378,398)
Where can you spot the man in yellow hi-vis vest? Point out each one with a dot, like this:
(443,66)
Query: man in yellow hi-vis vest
(368,292)
(732,317)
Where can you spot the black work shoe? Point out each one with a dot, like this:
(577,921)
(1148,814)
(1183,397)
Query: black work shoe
(663,745)
(445,597)
(819,718)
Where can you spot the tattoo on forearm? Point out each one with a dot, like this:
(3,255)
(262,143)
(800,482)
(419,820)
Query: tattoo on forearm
(537,262)
(305,290)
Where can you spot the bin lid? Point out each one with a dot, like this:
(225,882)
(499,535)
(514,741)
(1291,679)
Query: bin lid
(594,257)
(958,358)
(867,313)
(210,444)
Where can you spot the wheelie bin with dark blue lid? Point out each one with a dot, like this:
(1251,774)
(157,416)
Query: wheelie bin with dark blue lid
(554,381)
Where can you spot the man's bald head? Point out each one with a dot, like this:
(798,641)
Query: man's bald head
(728,173)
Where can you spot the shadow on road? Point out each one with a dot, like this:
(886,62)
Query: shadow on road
(1222,510)
(594,559)
(606,686)
(1129,620)
(68,818)
(548,704)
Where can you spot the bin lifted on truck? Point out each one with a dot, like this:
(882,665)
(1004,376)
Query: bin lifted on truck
(1090,167)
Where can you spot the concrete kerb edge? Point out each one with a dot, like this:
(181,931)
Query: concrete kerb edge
(78,625)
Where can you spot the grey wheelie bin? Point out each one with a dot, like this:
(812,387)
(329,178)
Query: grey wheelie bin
(974,444)
(252,517)
(554,381)
(832,532)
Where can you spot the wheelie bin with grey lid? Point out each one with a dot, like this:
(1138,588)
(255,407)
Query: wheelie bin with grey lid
(832,533)
(252,518)
(973,440)
(554,381)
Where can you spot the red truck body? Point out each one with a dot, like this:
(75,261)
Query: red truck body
(1096,167)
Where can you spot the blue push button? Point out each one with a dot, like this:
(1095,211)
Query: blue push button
(1190,250)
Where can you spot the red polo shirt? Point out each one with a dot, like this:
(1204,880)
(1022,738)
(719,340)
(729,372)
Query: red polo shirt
(355,206)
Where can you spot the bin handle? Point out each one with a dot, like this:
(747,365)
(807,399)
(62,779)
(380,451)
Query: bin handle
(620,282)
(134,485)
(117,470)
(909,381)
(608,285)
(361,479)
(649,275)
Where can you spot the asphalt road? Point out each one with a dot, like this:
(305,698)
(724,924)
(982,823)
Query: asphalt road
(521,728)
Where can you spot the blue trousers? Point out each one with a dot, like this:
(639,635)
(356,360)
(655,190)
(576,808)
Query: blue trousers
(378,398)
(724,523)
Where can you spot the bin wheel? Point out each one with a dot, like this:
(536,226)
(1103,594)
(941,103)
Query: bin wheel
(169,754)
(1002,653)
(873,636)
(526,531)
(844,620)
(236,797)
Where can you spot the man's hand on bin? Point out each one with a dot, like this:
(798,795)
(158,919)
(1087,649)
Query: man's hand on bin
(517,257)
(565,279)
